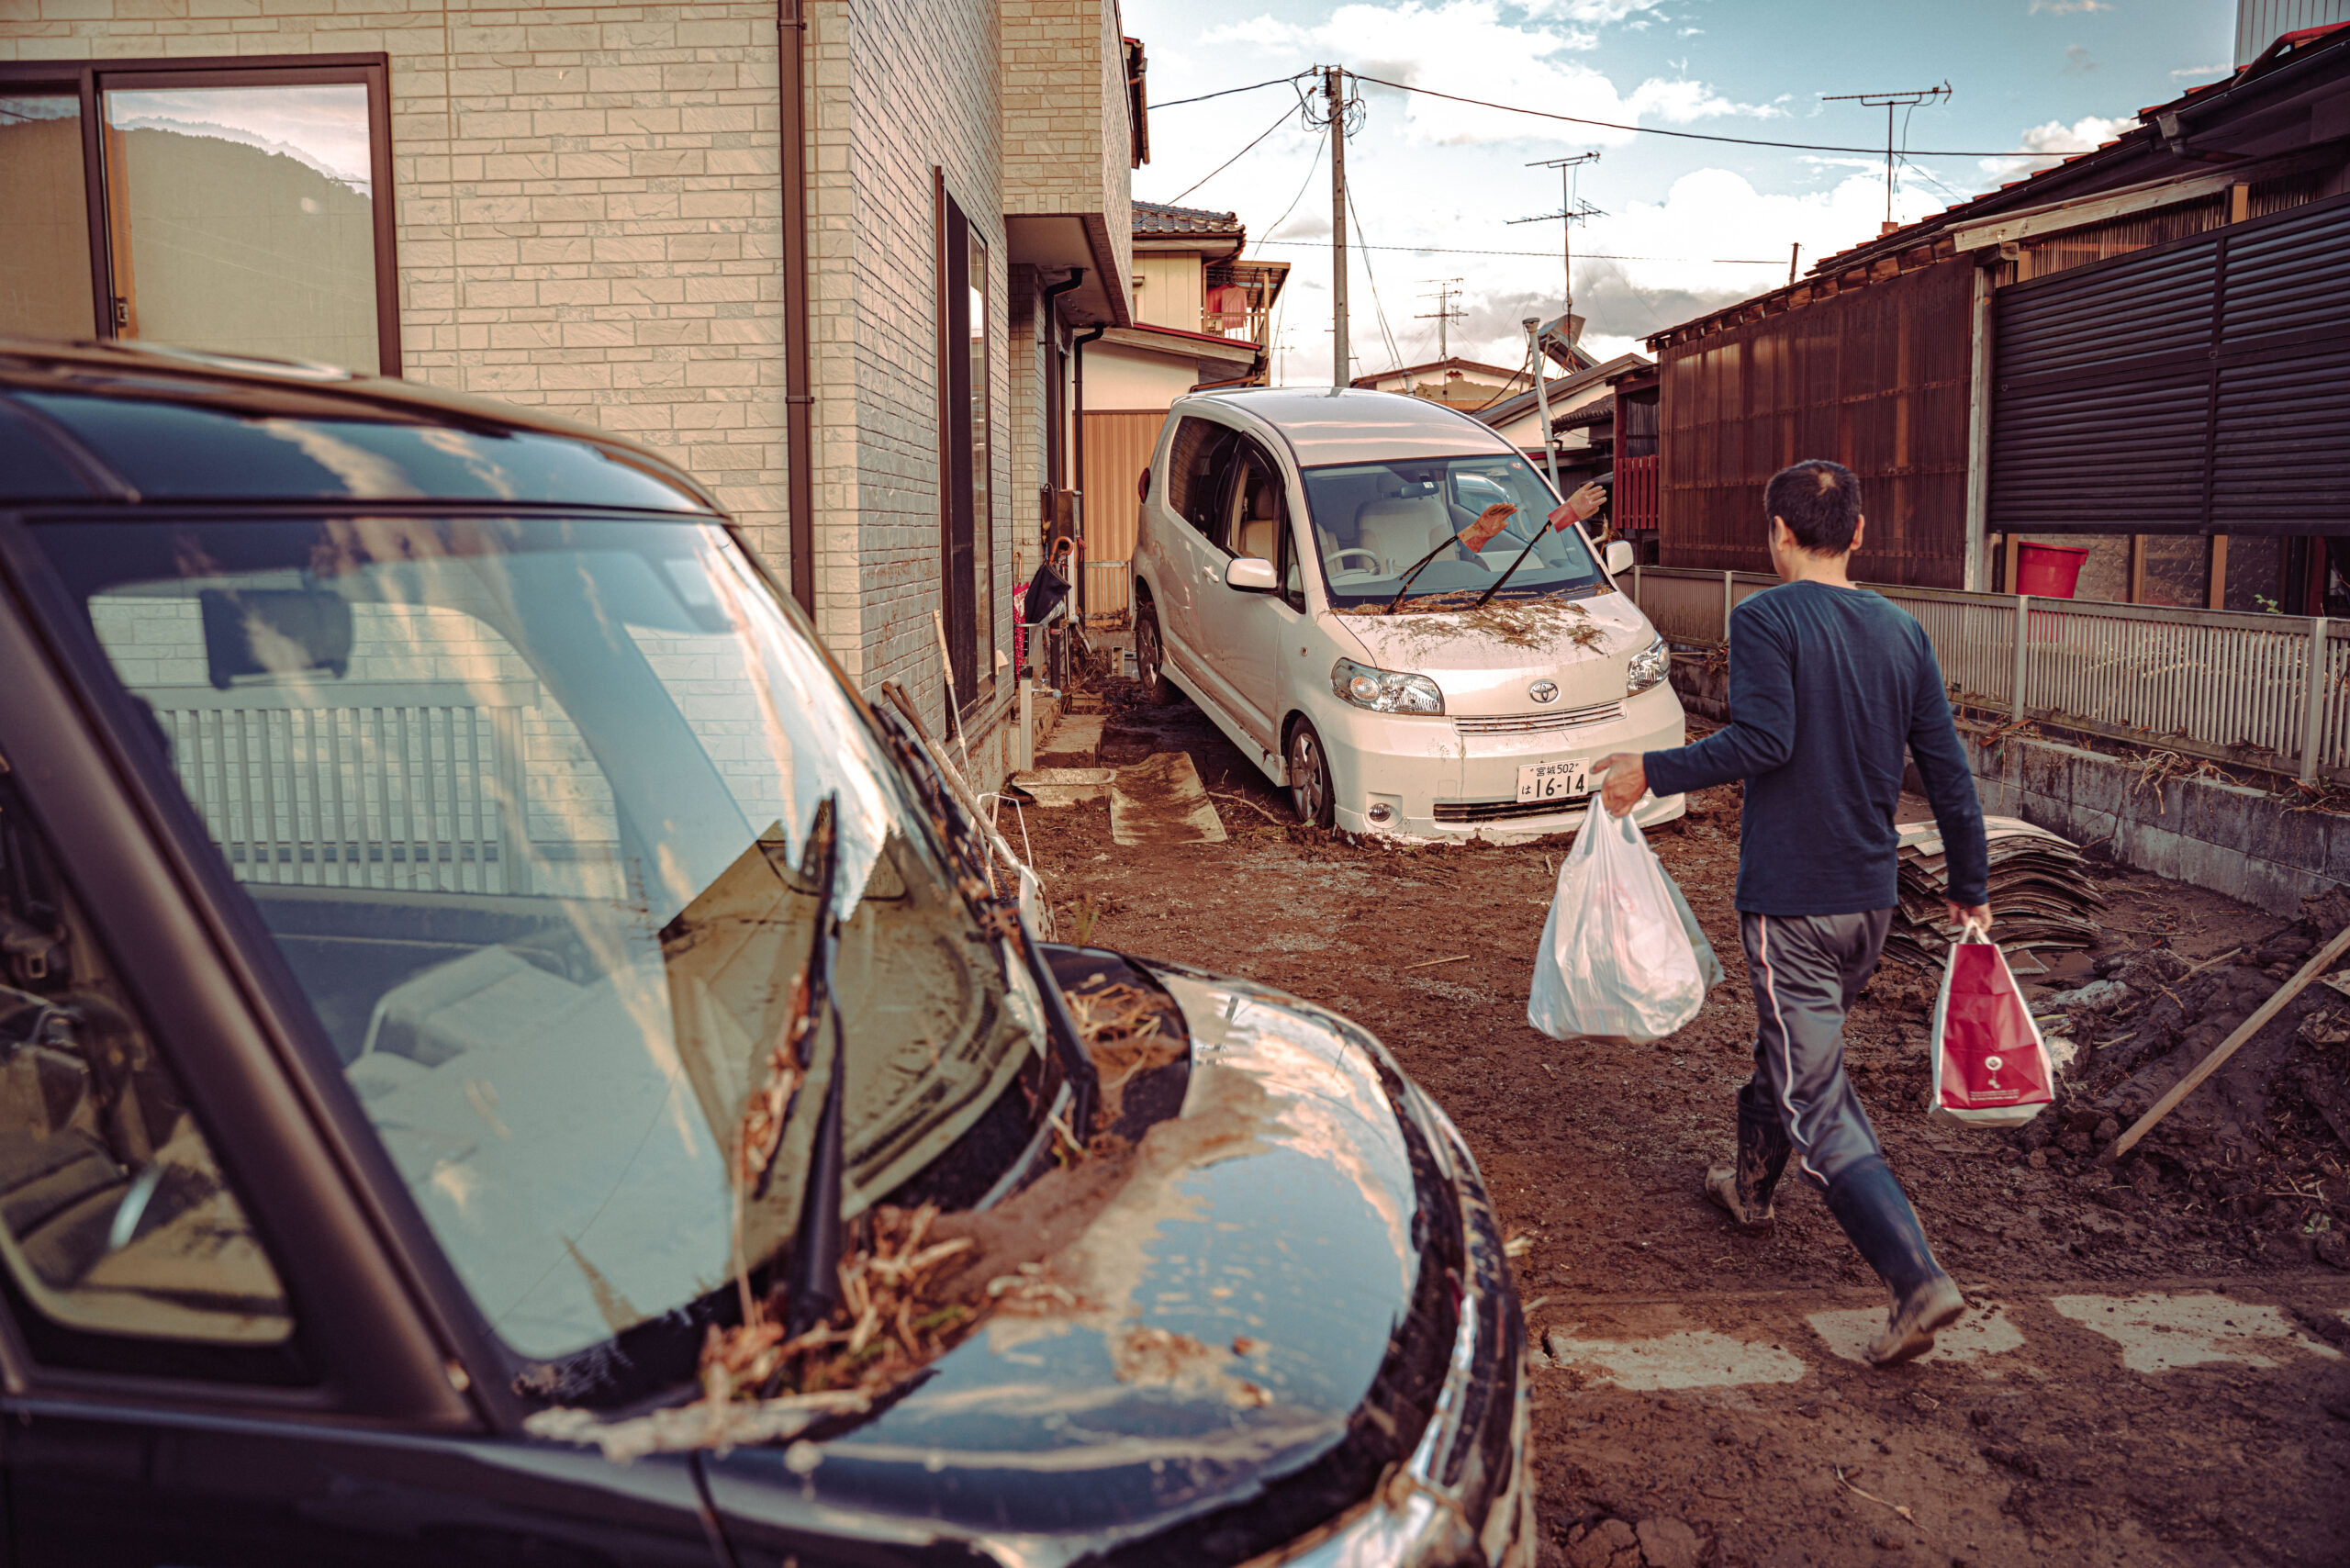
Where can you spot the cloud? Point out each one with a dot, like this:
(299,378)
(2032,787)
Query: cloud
(2068,7)
(2054,141)
(2078,61)
(2204,73)
(1464,46)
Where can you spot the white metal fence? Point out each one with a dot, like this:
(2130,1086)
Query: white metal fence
(2270,691)
(416,786)
(1108,589)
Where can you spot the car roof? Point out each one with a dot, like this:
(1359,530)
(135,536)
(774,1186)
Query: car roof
(129,422)
(1324,425)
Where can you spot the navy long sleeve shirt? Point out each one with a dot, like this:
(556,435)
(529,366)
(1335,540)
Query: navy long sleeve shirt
(1827,686)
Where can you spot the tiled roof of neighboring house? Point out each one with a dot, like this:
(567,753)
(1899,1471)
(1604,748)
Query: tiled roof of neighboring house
(1512,407)
(1154,218)
(1455,363)
(1599,411)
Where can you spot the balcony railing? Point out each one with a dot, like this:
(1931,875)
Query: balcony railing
(2270,692)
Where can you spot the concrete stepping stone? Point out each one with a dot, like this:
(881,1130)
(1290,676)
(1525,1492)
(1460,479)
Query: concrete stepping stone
(1161,801)
(2158,1332)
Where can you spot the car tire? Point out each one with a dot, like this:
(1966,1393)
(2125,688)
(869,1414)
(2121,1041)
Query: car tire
(1311,795)
(1151,657)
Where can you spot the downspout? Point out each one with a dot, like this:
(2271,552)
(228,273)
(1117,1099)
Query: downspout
(799,400)
(1053,341)
(1077,401)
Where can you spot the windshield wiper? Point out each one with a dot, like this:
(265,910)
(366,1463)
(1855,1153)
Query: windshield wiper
(1514,566)
(1407,586)
(811,1274)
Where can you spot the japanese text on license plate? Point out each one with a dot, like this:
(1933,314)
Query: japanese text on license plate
(1553,781)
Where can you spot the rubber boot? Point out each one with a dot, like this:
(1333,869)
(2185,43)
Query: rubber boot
(1743,1190)
(1869,1204)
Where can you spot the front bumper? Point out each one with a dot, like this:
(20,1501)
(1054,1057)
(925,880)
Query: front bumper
(1446,779)
(1478,1446)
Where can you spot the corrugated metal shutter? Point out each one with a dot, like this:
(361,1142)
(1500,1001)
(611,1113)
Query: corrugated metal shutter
(2202,386)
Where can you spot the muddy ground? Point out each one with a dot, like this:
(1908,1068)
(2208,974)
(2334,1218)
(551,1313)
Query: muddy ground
(1695,1412)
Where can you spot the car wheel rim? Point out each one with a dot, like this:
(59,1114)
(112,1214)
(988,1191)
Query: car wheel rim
(1305,777)
(1146,652)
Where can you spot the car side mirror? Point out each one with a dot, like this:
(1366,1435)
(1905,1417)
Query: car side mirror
(1252,574)
(1619,557)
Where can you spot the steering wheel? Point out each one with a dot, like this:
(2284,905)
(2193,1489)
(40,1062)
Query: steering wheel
(1376,569)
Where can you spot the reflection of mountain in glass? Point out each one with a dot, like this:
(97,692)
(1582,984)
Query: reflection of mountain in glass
(236,248)
(357,182)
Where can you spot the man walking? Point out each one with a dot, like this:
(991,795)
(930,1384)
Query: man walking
(1828,685)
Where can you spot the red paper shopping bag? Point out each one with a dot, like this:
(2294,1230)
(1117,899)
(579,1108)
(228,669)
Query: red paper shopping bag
(1991,1067)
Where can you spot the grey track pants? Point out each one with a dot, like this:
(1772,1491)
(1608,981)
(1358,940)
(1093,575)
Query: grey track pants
(1805,971)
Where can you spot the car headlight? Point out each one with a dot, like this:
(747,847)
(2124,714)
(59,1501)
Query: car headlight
(1385,690)
(1649,666)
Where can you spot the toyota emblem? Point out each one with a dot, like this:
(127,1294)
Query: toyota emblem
(1543,691)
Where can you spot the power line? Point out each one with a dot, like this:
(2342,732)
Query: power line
(1354,211)
(1235,158)
(1300,197)
(1685,135)
(1588,255)
(1225,93)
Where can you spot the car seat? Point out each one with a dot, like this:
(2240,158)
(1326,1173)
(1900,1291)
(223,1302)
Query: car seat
(1260,530)
(1401,529)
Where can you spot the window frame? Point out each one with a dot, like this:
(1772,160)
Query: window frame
(92,79)
(966,467)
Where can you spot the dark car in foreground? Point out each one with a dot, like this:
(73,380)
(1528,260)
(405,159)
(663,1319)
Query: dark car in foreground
(480,993)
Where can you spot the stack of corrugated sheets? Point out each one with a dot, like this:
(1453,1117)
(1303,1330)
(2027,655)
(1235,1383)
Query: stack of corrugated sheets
(2042,896)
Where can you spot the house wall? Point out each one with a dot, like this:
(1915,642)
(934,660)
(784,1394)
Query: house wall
(1875,377)
(915,92)
(1172,294)
(1525,431)
(1068,140)
(1118,377)
(588,217)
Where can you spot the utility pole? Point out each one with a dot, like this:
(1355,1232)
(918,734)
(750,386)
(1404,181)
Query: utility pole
(1793,252)
(1444,315)
(1888,102)
(1570,212)
(1334,87)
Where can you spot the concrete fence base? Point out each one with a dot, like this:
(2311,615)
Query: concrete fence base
(2228,837)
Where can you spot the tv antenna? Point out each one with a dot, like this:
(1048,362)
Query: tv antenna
(1573,210)
(1444,315)
(1889,102)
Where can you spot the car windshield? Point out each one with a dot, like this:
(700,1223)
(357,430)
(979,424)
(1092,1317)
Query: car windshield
(524,804)
(1375,521)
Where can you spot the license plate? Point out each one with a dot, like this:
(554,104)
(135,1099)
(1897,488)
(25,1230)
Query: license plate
(1553,781)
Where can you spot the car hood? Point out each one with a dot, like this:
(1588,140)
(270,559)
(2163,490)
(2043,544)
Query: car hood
(1485,661)
(1227,1315)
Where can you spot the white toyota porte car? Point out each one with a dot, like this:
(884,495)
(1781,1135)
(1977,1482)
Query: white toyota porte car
(1297,573)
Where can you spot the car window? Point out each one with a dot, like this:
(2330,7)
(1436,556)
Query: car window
(1195,470)
(525,805)
(1374,523)
(1255,511)
(118,1219)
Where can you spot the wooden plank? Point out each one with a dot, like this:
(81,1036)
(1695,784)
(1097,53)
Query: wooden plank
(2210,1064)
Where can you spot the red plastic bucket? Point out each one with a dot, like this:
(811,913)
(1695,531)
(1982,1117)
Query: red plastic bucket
(2048,571)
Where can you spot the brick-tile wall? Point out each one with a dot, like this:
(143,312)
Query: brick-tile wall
(588,202)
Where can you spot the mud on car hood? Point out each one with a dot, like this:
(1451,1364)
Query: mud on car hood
(1252,1331)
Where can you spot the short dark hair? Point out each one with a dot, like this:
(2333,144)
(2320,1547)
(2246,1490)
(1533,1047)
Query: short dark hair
(1819,501)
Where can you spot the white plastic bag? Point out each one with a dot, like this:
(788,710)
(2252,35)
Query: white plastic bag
(1621,954)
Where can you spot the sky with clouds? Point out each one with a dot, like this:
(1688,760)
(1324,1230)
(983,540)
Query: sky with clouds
(1688,225)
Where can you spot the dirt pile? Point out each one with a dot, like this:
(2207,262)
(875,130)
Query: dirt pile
(2259,1147)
